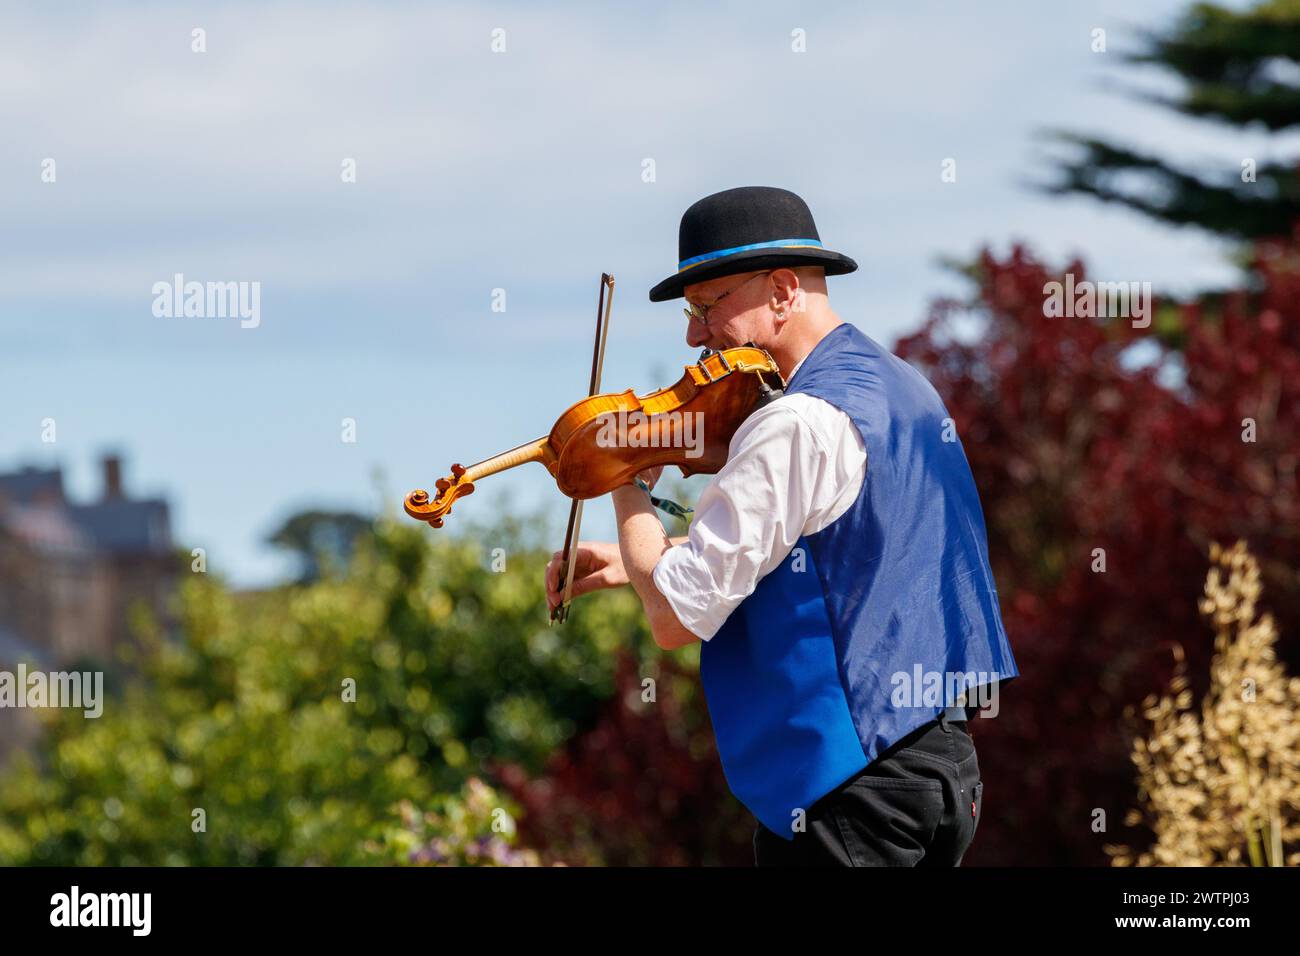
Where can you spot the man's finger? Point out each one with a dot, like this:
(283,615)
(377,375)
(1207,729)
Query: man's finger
(595,581)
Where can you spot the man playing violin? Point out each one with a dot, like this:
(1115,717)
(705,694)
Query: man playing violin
(836,569)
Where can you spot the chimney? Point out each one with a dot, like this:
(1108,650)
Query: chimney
(112,478)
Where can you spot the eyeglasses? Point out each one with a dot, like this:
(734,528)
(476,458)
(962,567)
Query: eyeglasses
(700,313)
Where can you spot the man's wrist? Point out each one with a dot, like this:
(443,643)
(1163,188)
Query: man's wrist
(630,500)
(627,489)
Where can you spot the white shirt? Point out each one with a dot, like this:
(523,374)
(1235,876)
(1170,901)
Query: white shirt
(793,466)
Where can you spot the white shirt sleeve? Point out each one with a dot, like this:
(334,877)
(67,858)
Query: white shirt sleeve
(793,467)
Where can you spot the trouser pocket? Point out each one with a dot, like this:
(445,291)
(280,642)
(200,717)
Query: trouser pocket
(888,821)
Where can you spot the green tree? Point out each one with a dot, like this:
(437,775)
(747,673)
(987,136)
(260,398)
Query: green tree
(1240,68)
(252,720)
(322,541)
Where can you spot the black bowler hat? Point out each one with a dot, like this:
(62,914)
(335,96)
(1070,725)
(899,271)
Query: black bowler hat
(747,229)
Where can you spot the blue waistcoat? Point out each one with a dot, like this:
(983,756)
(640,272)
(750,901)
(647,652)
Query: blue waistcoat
(857,638)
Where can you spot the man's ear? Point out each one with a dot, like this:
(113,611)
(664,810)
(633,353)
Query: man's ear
(787,289)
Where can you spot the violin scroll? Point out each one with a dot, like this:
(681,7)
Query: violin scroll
(454,486)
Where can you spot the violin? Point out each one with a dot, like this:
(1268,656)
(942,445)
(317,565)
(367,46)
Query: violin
(605,440)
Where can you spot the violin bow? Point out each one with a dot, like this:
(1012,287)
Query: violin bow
(604,303)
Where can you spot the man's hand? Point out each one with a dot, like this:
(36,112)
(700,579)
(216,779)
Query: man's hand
(597,565)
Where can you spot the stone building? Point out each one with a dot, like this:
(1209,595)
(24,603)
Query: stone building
(71,572)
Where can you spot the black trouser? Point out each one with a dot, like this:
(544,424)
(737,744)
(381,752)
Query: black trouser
(918,804)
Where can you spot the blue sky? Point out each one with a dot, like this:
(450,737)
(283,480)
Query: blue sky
(477,170)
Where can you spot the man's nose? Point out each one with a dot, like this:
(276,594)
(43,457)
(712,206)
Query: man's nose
(696,335)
